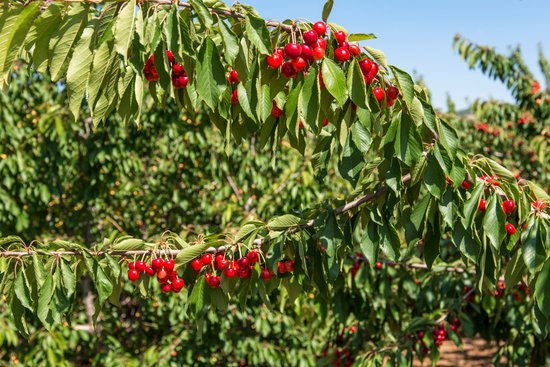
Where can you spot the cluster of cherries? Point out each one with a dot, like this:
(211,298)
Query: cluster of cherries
(523,287)
(499,291)
(163,269)
(241,267)
(507,207)
(149,70)
(179,75)
(359,260)
(233,78)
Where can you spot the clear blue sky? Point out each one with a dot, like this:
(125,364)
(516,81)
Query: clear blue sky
(417,35)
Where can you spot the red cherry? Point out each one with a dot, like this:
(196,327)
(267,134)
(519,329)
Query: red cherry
(372,73)
(183,81)
(320,28)
(389,102)
(378,265)
(265,274)
(166,287)
(281,268)
(214,281)
(310,37)
(288,70)
(275,110)
(170,57)
(340,36)
(482,205)
(354,50)
(318,53)
(341,54)
(230,272)
(140,266)
(162,274)
(196,264)
(465,185)
(299,64)
(378,94)
(508,206)
(178,284)
(344,45)
(293,50)
(233,76)
(392,92)
(253,257)
(501,285)
(510,229)
(243,263)
(234,98)
(150,271)
(365,66)
(178,70)
(206,259)
(132,265)
(321,42)
(243,272)
(307,53)
(289,266)
(169,265)
(279,51)
(274,61)
(133,275)
(157,263)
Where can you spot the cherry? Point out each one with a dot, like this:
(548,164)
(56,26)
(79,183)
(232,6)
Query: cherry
(169,265)
(501,284)
(320,28)
(221,261)
(162,275)
(318,53)
(289,266)
(196,264)
(508,206)
(243,263)
(150,271)
(166,287)
(132,265)
(233,77)
(265,274)
(307,53)
(288,70)
(378,94)
(482,205)
(392,92)
(230,272)
(310,37)
(341,54)
(133,275)
(372,73)
(180,82)
(299,64)
(465,185)
(178,284)
(157,263)
(274,61)
(538,205)
(389,102)
(243,272)
(170,57)
(354,50)
(293,50)
(321,42)
(178,70)
(281,268)
(344,45)
(206,259)
(275,110)
(420,334)
(253,257)
(340,36)
(510,229)
(214,281)
(365,66)
(140,266)
(378,265)
(234,98)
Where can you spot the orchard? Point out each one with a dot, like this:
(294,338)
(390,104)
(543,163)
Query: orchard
(187,183)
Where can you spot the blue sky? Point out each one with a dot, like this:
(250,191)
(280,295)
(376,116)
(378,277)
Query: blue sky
(417,35)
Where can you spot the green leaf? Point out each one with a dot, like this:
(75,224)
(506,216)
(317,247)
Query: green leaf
(331,237)
(283,222)
(124,29)
(129,244)
(533,247)
(378,55)
(203,13)
(472,204)
(257,32)
(361,137)
(354,37)
(103,284)
(64,40)
(191,252)
(405,84)
(327,8)
(45,295)
(14,30)
(68,278)
(494,223)
(370,244)
(246,230)
(391,244)
(408,142)
(465,241)
(231,45)
(79,70)
(21,290)
(514,270)
(197,298)
(335,81)
(210,74)
(309,100)
(46,24)
(434,177)
(356,85)
(431,242)
(542,289)
(103,57)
